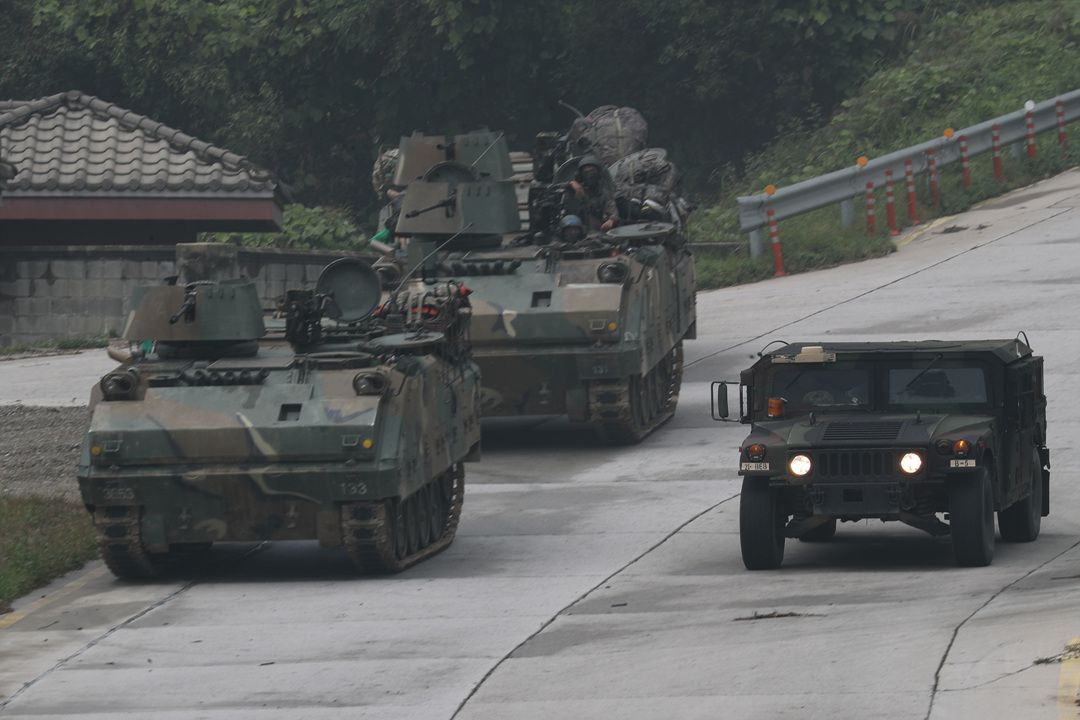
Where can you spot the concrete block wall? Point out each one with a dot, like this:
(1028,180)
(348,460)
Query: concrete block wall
(56,292)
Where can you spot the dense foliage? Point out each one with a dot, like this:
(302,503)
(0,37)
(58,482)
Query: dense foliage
(311,88)
(318,228)
(963,68)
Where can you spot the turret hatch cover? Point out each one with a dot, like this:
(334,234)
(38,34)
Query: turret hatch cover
(641,231)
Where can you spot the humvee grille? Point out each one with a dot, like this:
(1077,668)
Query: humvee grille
(858,464)
(862,431)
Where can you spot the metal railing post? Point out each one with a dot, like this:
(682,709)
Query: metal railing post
(847,212)
(755,243)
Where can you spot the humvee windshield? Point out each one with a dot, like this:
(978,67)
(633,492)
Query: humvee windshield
(923,384)
(936,385)
(807,387)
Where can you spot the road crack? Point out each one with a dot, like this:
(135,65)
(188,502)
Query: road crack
(491,671)
(956,631)
(96,641)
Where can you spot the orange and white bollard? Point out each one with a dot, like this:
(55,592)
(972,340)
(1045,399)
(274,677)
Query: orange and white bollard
(931,172)
(1029,130)
(909,178)
(965,164)
(890,205)
(774,240)
(995,139)
(871,210)
(1063,139)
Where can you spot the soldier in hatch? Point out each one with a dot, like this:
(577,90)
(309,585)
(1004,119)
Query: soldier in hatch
(592,198)
(571,229)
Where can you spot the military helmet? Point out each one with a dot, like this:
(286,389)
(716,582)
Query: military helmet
(589,160)
(570,221)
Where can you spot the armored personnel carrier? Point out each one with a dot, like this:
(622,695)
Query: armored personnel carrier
(348,425)
(583,324)
(895,431)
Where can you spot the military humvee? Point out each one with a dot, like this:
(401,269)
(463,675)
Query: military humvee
(896,431)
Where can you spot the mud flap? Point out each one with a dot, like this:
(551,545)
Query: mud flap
(474,453)
(153,533)
(1044,455)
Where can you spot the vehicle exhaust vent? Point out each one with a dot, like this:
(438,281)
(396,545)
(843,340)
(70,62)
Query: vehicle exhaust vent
(844,431)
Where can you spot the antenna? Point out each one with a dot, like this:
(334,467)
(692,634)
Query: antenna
(420,264)
(490,145)
(761,352)
(572,109)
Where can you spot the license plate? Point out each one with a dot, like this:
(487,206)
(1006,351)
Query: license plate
(961,463)
(754,466)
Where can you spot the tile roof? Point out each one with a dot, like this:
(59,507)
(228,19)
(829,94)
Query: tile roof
(76,144)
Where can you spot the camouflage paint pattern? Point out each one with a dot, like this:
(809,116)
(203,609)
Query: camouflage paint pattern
(547,330)
(268,446)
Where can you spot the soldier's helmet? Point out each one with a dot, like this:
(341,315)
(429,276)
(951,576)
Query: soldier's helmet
(587,161)
(571,228)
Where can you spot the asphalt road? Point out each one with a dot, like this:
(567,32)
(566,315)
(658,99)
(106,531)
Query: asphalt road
(589,582)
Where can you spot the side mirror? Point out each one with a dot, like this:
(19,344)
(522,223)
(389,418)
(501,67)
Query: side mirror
(719,403)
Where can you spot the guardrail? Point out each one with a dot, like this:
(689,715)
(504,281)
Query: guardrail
(767,209)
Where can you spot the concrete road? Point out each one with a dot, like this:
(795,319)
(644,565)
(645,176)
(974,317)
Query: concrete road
(53,380)
(588,582)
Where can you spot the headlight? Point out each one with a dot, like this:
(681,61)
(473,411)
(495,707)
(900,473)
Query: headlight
(120,384)
(800,465)
(611,272)
(911,463)
(369,383)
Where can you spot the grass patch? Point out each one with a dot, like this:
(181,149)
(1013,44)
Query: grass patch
(72,343)
(966,66)
(42,538)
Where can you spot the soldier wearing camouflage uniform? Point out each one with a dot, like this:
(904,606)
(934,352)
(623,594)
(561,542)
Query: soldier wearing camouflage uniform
(592,198)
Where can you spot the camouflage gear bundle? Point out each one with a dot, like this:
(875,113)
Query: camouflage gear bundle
(609,133)
(646,174)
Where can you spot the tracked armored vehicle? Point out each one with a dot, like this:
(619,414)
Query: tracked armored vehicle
(349,424)
(589,327)
(903,431)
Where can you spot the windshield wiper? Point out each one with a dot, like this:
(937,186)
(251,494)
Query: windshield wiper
(921,373)
(797,376)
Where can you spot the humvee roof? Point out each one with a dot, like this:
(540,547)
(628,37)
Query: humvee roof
(1005,350)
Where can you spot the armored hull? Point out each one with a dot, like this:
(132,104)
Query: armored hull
(589,327)
(593,333)
(356,438)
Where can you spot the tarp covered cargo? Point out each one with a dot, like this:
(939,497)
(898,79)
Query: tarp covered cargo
(608,132)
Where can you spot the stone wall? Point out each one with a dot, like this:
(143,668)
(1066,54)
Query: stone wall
(84,291)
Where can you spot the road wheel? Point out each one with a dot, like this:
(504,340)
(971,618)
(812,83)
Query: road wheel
(436,511)
(423,512)
(821,533)
(1021,521)
(396,510)
(412,522)
(971,518)
(761,526)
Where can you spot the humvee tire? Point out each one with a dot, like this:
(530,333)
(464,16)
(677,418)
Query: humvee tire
(761,527)
(971,518)
(1021,521)
(821,533)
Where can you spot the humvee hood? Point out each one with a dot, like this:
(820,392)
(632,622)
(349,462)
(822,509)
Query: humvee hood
(870,430)
(184,425)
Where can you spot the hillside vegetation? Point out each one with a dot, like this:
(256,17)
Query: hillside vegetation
(963,68)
